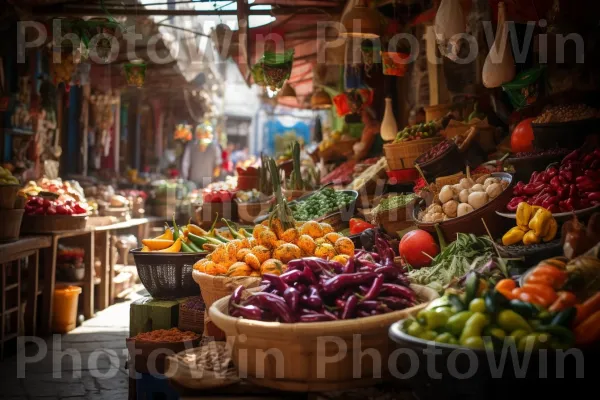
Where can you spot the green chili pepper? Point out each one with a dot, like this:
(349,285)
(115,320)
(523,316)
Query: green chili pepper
(561,337)
(534,341)
(186,248)
(474,342)
(428,335)
(474,326)
(565,317)
(511,321)
(192,246)
(517,335)
(234,234)
(433,319)
(175,229)
(526,310)
(477,305)
(445,337)
(497,333)
(414,329)
(457,322)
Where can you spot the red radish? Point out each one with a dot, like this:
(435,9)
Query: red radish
(414,244)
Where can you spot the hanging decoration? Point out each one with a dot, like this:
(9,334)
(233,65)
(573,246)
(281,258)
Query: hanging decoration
(370,55)
(222,38)
(361,21)
(183,132)
(320,100)
(273,69)
(353,101)
(449,22)
(135,73)
(394,60)
(499,66)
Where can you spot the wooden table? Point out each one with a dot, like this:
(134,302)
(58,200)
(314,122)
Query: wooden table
(104,233)
(27,247)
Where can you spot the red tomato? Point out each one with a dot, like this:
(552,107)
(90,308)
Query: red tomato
(414,244)
(521,139)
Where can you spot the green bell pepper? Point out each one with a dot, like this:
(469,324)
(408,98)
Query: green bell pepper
(457,322)
(474,326)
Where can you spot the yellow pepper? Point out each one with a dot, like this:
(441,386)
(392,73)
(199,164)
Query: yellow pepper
(514,235)
(174,248)
(524,212)
(551,231)
(540,223)
(196,230)
(168,235)
(531,238)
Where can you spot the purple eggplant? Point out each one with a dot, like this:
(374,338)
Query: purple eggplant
(350,307)
(375,288)
(276,281)
(301,287)
(236,297)
(376,257)
(335,284)
(275,304)
(315,318)
(296,265)
(292,297)
(398,291)
(309,276)
(367,269)
(249,312)
(363,314)
(369,305)
(330,314)
(390,272)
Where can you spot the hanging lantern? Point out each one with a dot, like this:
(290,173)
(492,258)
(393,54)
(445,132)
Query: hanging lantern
(135,73)
(287,91)
(320,100)
(364,19)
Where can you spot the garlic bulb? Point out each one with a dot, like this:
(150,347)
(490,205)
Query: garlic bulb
(499,66)
(446,194)
(464,196)
(463,209)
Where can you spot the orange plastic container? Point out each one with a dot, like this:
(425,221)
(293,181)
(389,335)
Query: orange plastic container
(64,310)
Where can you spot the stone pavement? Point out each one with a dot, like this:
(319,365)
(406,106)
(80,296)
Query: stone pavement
(86,363)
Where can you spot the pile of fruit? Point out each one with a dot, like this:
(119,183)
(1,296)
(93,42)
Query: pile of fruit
(534,224)
(67,190)
(41,206)
(542,314)
(418,132)
(320,204)
(573,185)
(7,178)
(270,248)
(434,152)
(316,290)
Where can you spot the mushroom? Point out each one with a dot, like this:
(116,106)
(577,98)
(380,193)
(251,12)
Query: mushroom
(464,196)
(463,209)
(466,183)
(489,181)
(477,188)
(457,188)
(478,199)
(446,194)
(450,208)
(494,190)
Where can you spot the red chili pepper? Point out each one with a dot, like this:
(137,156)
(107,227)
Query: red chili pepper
(552,172)
(574,155)
(540,200)
(518,189)
(573,191)
(550,201)
(593,196)
(593,174)
(583,203)
(554,209)
(563,193)
(532,189)
(534,177)
(569,204)
(555,183)
(588,186)
(514,203)
(566,175)
(595,165)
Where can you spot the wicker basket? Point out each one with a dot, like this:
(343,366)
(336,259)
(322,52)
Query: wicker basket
(167,275)
(403,155)
(433,113)
(53,223)
(191,319)
(11,224)
(8,195)
(215,287)
(248,212)
(299,346)
(472,221)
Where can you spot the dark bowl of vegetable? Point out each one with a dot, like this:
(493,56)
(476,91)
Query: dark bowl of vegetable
(435,370)
(441,160)
(532,254)
(569,135)
(526,163)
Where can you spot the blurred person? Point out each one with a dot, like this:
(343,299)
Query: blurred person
(201,160)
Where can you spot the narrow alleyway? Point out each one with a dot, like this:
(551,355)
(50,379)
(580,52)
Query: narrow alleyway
(87,363)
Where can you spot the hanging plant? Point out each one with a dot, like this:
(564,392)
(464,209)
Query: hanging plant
(273,69)
(135,73)
(394,63)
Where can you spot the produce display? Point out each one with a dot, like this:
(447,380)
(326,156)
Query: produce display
(534,225)
(393,202)
(434,152)
(332,140)
(322,203)
(548,152)
(43,206)
(566,113)
(368,175)
(418,132)
(572,185)
(458,200)
(67,190)
(188,239)
(217,196)
(251,196)
(166,335)
(7,178)
(271,247)
(467,253)
(316,290)
(342,175)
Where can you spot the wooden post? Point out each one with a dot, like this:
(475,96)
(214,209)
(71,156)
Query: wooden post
(88,283)
(49,256)
(85,119)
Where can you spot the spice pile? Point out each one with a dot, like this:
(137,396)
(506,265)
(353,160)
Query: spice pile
(315,290)
(567,113)
(434,152)
(166,335)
